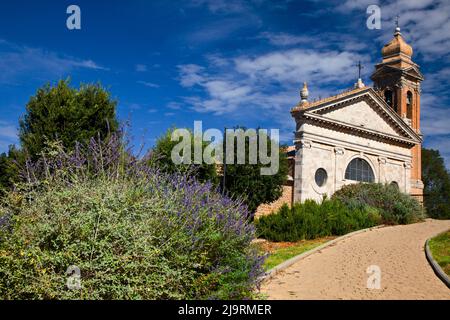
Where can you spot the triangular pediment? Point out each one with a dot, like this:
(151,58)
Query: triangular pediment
(412,71)
(365,112)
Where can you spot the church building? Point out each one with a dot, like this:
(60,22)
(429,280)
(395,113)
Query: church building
(366,134)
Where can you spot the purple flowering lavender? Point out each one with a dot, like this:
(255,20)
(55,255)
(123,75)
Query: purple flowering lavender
(148,234)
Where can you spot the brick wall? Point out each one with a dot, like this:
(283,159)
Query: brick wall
(286,197)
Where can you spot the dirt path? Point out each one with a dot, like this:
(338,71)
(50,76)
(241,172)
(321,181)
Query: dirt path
(339,271)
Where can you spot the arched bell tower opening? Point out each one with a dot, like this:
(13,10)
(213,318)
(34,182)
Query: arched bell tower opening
(397,78)
(409,105)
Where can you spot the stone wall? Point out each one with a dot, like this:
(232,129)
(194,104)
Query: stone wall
(286,197)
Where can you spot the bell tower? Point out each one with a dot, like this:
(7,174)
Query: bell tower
(397,79)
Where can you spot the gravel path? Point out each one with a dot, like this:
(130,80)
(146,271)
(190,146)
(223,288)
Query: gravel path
(339,271)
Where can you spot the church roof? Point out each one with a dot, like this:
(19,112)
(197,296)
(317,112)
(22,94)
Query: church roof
(314,110)
(303,106)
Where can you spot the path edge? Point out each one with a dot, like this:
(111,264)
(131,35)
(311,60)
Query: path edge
(286,264)
(436,267)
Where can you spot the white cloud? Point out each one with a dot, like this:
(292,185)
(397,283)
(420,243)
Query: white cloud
(318,41)
(434,120)
(148,84)
(190,74)
(269,82)
(435,109)
(221,6)
(285,39)
(222,28)
(8,135)
(8,131)
(293,65)
(141,68)
(174,105)
(134,106)
(18,62)
(356,4)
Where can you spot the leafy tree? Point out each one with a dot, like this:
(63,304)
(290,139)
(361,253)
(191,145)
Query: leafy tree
(4,176)
(437,184)
(10,164)
(246,181)
(162,157)
(66,114)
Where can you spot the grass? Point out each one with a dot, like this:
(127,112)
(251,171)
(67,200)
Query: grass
(440,249)
(282,251)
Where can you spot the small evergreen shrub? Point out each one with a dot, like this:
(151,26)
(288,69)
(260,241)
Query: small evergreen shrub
(134,232)
(394,206)
(311,220)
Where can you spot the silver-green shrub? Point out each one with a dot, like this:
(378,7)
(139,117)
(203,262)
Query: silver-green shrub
(133,232)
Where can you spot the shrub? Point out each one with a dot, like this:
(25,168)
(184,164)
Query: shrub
(311,220)
(135,233)
(394,206)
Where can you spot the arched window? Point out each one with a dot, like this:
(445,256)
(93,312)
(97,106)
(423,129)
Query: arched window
(389,97)
(359,170)
(409,104)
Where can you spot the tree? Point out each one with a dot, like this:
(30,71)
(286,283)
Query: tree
(66,114)
(10,164)
(162,157)
(247,182)
(436,181)
(4,175)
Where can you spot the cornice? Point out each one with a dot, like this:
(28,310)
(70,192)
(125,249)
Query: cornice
(361,130)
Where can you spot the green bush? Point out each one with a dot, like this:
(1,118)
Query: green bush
(394,206)
(139,234)
(311,220)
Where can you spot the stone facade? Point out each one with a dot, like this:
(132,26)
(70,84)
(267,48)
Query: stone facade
(347,131)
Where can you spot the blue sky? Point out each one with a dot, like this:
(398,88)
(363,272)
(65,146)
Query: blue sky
(225,62)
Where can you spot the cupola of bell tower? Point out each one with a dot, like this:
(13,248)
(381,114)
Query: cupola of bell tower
(397,79)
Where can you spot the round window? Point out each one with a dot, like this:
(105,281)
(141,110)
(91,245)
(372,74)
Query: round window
(321,177)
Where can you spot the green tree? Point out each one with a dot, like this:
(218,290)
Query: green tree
(162,157)
(437,184)
(246,181)
(10,164)
(66,114)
